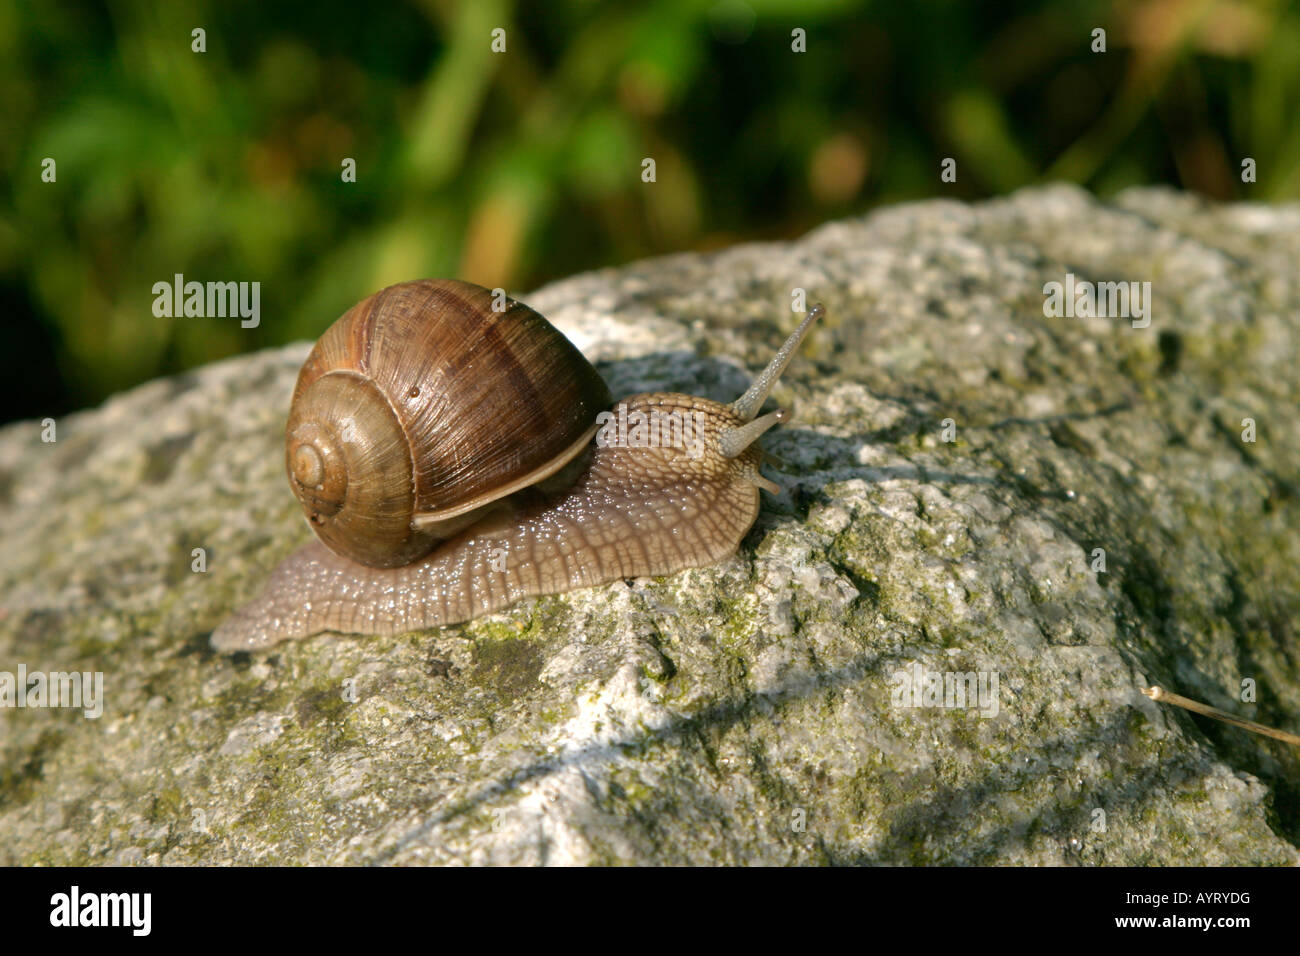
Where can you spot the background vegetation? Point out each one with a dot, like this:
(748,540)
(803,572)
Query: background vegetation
(512,169)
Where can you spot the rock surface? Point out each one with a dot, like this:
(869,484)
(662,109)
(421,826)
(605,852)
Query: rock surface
(746,713)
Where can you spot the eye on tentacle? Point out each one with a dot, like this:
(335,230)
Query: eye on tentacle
(733,441)
(747,406)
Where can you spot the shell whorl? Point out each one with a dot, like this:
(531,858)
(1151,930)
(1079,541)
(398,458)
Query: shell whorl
(422,405)
(349,463)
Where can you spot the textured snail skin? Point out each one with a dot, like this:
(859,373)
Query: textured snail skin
(633,511)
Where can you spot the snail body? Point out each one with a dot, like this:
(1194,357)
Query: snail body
(572,501)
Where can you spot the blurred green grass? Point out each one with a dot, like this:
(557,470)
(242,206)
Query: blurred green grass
(514,168)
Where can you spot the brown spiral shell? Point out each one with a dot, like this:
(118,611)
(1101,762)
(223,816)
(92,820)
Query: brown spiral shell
(422,405)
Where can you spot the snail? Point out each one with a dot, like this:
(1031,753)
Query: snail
(453,458)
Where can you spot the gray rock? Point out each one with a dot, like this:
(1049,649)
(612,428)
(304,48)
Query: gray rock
(746,713)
